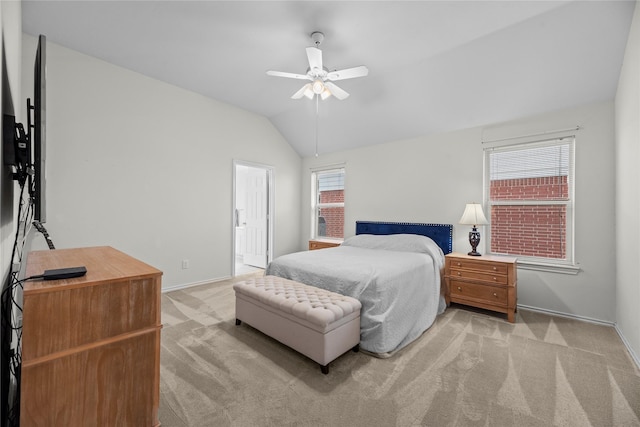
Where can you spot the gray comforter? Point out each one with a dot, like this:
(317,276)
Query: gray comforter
(396,278)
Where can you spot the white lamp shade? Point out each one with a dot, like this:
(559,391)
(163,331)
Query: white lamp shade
(473,215)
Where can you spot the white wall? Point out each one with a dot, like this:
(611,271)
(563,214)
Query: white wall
(431,178)
(627,126)
(10,93)
(147,167)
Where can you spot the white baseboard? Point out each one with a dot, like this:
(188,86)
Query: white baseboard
(633,355)
(567,315)
(189,285)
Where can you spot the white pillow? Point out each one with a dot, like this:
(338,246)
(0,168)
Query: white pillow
(394,242)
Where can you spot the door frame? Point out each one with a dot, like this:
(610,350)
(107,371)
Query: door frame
(270,209)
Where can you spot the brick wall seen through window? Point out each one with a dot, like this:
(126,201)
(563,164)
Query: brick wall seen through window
(333,217)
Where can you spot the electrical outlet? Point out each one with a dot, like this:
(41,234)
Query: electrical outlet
(185,264)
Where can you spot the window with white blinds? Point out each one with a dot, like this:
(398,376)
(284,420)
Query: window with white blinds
(529,195)
(328,203)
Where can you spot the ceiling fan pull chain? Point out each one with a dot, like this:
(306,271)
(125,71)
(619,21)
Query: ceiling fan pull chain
(317,107)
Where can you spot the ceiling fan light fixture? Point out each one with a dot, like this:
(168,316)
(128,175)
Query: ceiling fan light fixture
(317,87)
(325,94)
(320,80)
(308,92)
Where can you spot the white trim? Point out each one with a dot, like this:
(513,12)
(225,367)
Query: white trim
(577,127)
(633,355)
(331,205)
(567,315)
(192,284)
(315,204)
(271,210)
(327,168)
(568,265)
(548,266)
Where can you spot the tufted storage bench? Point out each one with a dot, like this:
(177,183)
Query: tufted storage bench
(318,323)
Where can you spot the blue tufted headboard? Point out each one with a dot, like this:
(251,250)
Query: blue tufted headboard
(442,234)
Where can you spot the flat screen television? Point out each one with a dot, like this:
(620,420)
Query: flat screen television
(38,132)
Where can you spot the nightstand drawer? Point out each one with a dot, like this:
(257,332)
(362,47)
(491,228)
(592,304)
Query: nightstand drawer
(488,294)
(489,267)
(498,279)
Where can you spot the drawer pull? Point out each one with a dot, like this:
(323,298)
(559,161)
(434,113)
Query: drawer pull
(459,288)
(495,279)
(458,264)
(495,269)
(459,274)
(495,294)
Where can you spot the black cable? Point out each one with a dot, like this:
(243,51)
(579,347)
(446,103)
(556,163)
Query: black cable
(9,316)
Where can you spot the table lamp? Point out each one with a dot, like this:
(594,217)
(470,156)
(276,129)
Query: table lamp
(473,215)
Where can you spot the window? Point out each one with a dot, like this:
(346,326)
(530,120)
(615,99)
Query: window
(328,203)
(529,194)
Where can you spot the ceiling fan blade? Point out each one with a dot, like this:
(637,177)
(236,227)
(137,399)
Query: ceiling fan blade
(288,75)
(348,73)
(315,58)
(336,91)
(299,94)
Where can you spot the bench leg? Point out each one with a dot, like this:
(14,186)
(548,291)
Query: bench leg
(324,369)
(238,322)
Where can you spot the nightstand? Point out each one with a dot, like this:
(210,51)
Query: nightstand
(322,244)
(487,281)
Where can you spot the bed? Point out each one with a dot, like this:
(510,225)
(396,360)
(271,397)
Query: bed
(393,269)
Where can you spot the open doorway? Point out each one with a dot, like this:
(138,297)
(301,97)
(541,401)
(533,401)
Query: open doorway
(252,213)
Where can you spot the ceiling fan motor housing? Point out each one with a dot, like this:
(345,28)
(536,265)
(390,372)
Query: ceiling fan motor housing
(317,37)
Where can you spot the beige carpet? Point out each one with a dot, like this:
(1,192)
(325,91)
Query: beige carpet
(469,369)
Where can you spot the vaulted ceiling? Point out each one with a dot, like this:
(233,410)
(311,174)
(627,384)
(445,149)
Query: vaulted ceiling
(434,66)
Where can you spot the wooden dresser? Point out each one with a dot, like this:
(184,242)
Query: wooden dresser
(322,244)
(91,345)
(486,281)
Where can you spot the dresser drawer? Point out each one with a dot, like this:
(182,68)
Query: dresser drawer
(488,267)
(488,294)
(498,279)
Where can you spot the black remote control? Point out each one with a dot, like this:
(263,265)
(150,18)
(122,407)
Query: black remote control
(64,273)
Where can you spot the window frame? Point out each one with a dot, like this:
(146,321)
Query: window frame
(567,265)
(315,202)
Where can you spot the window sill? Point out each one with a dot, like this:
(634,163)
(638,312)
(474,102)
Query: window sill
(549,267)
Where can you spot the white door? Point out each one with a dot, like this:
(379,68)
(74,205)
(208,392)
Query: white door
(256,216)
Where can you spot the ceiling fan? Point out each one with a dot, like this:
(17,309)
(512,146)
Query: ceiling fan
(321,78)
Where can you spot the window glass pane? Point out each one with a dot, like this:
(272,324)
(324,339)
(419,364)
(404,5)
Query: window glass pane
(529,230)
(331,222)
(329,203)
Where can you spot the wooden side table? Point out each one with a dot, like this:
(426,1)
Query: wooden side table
(322,244)
(91,345)
(487,281)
